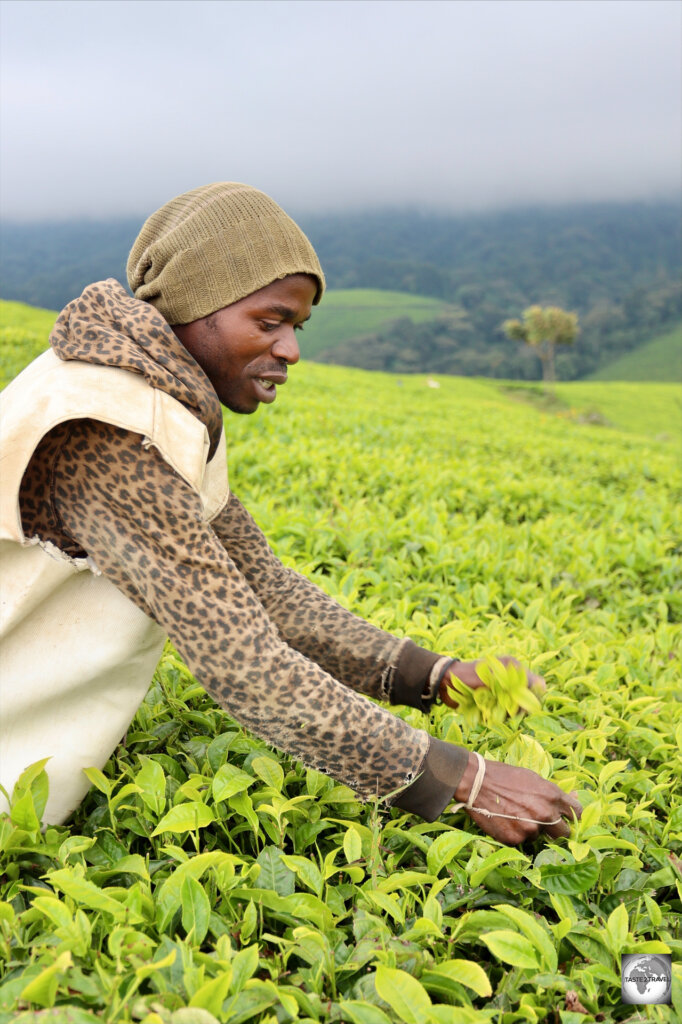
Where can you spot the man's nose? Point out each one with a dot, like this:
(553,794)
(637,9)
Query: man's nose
(286,345)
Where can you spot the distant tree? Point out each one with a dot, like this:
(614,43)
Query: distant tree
(544,328)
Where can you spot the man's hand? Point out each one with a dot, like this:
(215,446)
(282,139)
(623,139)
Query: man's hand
(465,671)
(519,793)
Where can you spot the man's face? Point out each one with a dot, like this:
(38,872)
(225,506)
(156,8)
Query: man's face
(245,349)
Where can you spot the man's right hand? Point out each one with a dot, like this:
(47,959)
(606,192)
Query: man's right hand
(520,793)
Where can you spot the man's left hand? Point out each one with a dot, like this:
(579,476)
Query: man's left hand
(466,672)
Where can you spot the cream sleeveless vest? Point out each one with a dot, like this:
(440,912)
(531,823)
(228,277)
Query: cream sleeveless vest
(76,655)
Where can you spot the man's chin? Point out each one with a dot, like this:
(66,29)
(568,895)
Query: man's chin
(240,410)
(243,400)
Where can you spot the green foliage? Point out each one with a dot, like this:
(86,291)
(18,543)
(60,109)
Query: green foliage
(543,328)
(658,359)
(24,333)
(207,877)
(651,410)
(646,409)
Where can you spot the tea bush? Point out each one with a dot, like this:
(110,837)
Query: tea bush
(208,877)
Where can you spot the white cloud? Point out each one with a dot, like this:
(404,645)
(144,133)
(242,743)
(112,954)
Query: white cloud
(113,107)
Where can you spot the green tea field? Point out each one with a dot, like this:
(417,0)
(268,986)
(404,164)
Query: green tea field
(658,359)
(210,878)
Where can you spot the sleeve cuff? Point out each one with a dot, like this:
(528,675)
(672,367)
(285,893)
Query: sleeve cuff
(441,772)
(411,675)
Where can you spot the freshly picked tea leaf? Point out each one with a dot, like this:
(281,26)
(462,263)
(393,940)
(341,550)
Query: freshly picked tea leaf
(505,693)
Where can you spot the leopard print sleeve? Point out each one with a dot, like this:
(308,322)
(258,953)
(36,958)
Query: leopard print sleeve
(142,526)
(349,648)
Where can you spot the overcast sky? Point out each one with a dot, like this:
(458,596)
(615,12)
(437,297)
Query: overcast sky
(114,107)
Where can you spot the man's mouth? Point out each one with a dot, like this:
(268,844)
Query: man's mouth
(266,386)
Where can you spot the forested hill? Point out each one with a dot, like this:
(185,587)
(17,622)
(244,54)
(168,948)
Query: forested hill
(617,265)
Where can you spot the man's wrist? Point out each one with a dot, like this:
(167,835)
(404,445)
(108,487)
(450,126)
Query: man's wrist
(440,773)
(411,675)
(436,678)
(465,783)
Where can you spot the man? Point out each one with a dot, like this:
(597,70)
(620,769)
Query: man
(117,529)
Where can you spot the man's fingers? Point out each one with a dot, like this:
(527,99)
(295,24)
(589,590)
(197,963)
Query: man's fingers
(536,682)
(561,829)
(574,805)
(571,812)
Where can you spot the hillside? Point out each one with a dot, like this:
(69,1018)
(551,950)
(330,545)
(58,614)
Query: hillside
(353,312)
(25,317)
(24,332)
(399,333)
(658,359)
(646,408)
(616,264)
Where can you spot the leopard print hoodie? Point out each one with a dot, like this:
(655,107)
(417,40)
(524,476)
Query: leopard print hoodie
(270,647)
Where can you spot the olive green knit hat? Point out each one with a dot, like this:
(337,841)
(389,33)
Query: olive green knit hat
(213,246)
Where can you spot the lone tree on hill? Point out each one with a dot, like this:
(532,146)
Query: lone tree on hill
(544,328)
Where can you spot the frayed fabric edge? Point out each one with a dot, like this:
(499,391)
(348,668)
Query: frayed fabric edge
(51,549)
(387,676)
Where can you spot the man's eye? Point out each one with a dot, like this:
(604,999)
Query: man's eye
(270,325)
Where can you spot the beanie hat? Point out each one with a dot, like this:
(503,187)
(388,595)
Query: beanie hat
(213,246)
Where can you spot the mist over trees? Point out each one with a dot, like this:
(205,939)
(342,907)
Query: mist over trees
(617,265)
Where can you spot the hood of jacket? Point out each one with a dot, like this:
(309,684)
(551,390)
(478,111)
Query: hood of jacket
(107,327)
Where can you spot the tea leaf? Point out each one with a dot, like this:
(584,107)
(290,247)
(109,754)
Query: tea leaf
(495,860)
(362,1013)
(89,895)
(169,893)
(23,812)
(269,771)
(229,781)
(569,879)
(274,872)
(403,993)
(617,928)
(152,784)
(308,872)
(509,526)
(465,972)
(185,817)
(43,988)
(212,994)
(98,779)
(352,845)
(244,964)
(445,848)
(533,930)
(511,948)
(196,909)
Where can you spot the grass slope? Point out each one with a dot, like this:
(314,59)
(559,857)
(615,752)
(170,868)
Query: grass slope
(208,877)
(658,359)
(354,312)
(17,314)
(24,332)
(646,408)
